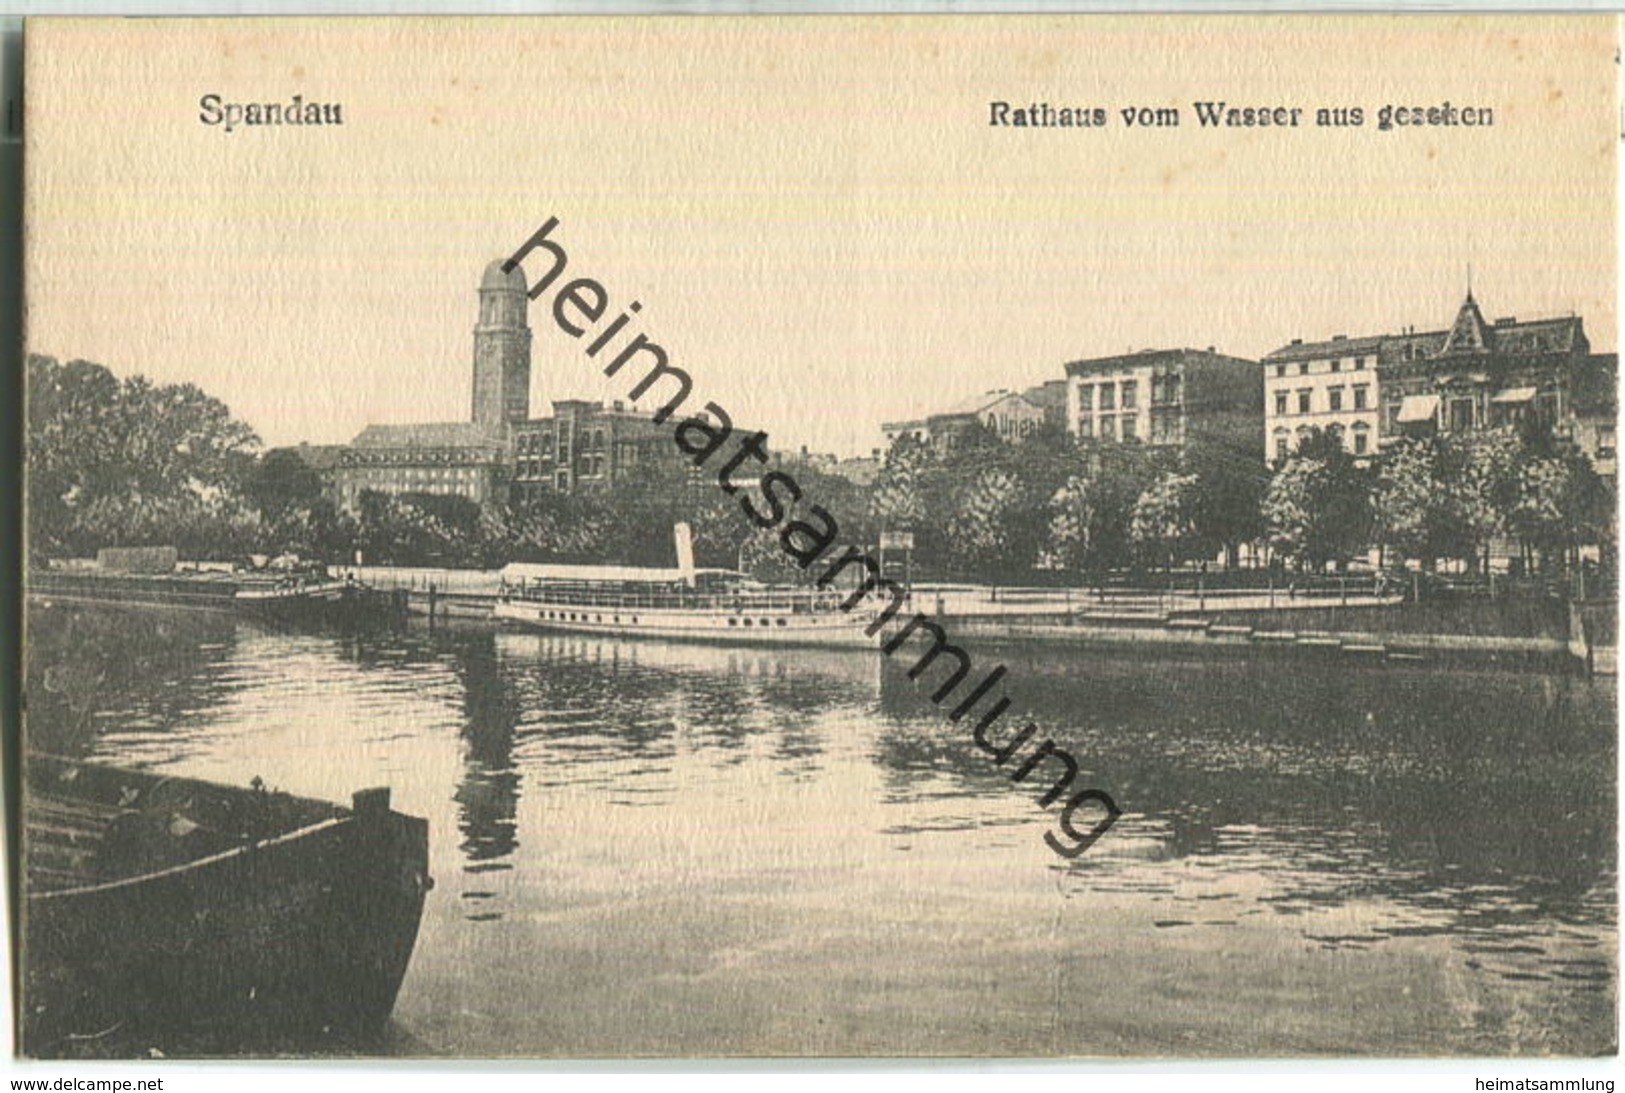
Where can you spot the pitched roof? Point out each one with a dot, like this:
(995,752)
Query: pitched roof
(977,403)
(1046,395)
(433,434)
(1155,358)
(318,457)
(1539,336)
(1334,347)
(1469,334)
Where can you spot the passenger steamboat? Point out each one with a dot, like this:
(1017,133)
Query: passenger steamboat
(681,603)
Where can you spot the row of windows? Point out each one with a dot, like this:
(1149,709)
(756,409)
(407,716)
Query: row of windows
(412,476)
(1109,427)
(543,441)
(1335,364)
(591,466)
(386,457)
(1110,396)
(1361,434)
(352,491)
(1335,400)
(1462,412)
(581,616)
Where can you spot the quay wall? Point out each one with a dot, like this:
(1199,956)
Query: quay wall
(1277,636)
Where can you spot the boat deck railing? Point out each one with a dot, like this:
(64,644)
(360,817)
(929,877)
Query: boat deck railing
(753,602)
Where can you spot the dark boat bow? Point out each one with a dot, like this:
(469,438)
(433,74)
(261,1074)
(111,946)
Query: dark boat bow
(187,907)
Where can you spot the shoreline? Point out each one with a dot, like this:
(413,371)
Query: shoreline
(1231,625)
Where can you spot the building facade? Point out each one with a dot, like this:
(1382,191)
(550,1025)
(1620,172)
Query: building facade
(1164,398)
(1009,415)
(501,454)
(1050,397)
(460,458)
(1330,385)
(583,446)
(1474,374)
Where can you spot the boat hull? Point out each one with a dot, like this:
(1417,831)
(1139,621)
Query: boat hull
(300,938)
(212,594)
(314,602)
(750,626)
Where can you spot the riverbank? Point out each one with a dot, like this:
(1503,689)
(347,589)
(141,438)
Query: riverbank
(1353,626)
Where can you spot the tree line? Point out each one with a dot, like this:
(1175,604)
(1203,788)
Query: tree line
(126,462)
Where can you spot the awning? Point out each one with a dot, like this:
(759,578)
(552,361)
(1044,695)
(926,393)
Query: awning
(1417,408)
(1514,394)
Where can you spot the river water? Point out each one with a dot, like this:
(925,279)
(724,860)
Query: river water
(647,848)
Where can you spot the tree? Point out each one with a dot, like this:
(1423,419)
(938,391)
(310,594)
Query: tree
(1163,524)
(1226,498)
(1317,507)
(1556,501)
(984,508)
(897,500)
(1410,507)
(561,527)
(1480,471)
(125,462)
(280,483)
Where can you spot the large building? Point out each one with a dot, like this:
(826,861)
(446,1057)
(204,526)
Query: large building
(585,445)
(1473,374)
(501,453)
(1009,415)
(1329,385)
(454,457)
(1164,398)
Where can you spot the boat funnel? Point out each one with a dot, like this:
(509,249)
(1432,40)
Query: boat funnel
(685,552)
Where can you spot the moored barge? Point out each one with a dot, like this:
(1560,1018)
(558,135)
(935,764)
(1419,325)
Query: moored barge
(308,593)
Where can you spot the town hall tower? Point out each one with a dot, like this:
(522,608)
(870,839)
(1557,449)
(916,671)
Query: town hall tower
(502,349)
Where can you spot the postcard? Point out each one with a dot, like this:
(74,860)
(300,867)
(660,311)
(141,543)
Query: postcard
(928,536)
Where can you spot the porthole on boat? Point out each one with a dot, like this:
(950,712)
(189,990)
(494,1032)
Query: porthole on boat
(733,621)
(766,623)
(781,622)
(747,622)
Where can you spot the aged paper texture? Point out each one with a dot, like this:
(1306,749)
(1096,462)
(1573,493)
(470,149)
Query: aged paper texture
(922,536)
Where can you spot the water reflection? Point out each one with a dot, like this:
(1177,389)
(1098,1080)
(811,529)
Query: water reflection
(89,669)
(488,794)
(642,790)
(1471,801)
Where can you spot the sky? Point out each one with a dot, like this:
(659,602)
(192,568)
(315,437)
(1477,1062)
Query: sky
(816,215)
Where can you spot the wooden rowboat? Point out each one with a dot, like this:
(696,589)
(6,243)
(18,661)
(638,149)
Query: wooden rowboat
(159,907)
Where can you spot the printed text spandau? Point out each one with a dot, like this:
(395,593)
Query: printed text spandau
(1221,114)
(227,116)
